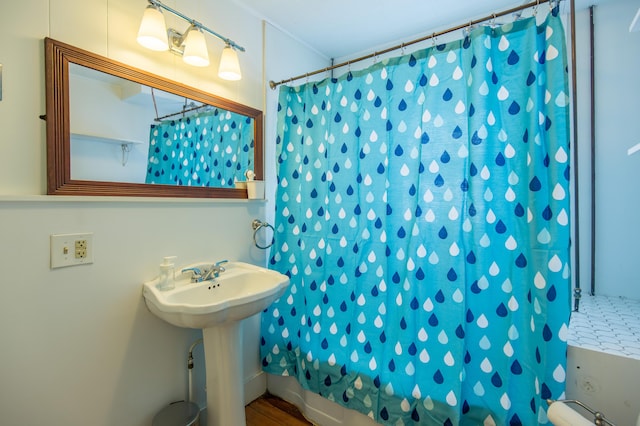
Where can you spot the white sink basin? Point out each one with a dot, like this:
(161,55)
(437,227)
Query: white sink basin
(217,306)
(241,291)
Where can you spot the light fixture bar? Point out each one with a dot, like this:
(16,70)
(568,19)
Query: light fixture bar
(197,24)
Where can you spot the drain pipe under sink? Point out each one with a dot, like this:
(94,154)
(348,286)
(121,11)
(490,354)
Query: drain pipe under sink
(190,368)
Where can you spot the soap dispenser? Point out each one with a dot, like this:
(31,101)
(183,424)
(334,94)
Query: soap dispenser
(167,273)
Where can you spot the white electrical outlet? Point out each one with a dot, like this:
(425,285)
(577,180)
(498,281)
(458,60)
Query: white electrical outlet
(71,249)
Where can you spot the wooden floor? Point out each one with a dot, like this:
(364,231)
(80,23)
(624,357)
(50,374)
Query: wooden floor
(269,410)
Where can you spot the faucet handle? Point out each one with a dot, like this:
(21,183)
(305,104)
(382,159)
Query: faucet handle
(219,267)
(196,274)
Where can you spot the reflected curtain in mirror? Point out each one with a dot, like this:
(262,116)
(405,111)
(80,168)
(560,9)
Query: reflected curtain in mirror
(211,149)
(98,133)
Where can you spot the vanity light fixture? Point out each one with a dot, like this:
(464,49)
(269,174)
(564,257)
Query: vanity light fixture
(195,48)
(153,30)
(229,66)
(153,34)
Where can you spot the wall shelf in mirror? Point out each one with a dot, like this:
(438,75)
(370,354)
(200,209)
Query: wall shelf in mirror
(216,141)
(82,142)
(95,138)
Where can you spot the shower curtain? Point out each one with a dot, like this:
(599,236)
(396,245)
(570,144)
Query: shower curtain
(422,215)
(213,148)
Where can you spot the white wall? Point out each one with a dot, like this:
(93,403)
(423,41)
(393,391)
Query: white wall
(617,103)
(617,129)
(605,382)
(103,158)
(78,345)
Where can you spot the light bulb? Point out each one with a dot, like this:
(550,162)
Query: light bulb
(229,65)
(195,48)
(152,33)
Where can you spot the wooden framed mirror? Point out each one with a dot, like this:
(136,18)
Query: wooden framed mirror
(87,155)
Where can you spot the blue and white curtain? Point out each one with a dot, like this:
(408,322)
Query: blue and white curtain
(213,148)
(422,214)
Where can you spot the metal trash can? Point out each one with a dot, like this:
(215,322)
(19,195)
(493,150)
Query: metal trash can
(180,413)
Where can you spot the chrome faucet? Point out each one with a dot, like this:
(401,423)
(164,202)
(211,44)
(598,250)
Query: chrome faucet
(199,275)
(215,271)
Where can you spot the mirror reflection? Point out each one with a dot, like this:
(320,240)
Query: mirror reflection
(140,134)
(116,130)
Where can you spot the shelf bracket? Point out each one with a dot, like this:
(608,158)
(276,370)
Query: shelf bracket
(126,148)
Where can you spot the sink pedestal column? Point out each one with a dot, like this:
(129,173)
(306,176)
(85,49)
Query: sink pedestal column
(225,378)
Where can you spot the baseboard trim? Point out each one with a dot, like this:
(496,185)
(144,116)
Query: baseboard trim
(254,387)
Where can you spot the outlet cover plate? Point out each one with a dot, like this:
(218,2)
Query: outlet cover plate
(63,249)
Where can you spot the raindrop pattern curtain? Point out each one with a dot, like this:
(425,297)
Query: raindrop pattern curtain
(422,214)
(213,149)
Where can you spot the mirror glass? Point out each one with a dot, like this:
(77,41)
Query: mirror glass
(116,130)
(140,134)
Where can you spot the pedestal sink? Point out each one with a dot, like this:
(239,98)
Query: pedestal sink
(217,306)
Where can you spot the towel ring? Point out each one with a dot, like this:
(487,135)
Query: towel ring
(257,225)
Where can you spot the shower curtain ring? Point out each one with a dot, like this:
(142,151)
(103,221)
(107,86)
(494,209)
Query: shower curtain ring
(466,32)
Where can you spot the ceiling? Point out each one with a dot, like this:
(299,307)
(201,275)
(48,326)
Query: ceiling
(347,28)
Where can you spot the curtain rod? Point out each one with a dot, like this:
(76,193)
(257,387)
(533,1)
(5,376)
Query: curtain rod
(184,111)
(433,36)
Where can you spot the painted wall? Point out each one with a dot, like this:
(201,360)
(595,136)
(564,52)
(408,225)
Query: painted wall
(103,158)
(607,382)
(617,128)
(77,345)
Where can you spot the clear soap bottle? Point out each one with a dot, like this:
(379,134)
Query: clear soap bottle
(167,273)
